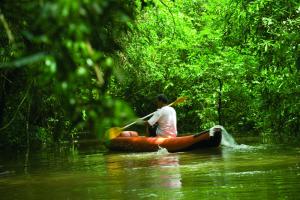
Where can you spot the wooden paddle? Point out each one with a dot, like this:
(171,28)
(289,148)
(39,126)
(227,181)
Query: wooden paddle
(116,131)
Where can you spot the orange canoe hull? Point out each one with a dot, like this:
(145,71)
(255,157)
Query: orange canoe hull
(183,143)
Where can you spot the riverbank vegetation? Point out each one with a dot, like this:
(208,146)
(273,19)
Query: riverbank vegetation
(73,69)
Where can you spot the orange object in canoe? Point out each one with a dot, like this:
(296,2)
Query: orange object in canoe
(182,143)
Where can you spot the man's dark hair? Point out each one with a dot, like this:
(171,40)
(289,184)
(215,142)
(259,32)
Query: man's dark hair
(162,98)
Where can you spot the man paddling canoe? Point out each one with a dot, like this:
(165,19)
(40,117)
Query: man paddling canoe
(164,117)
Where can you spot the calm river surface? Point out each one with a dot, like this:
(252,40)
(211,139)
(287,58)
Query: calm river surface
(244,172)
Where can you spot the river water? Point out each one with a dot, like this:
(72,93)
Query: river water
(251,171)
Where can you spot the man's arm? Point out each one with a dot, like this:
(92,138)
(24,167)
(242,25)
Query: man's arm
(155,117)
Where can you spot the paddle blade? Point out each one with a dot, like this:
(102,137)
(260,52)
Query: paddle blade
(179,100)
(113,132)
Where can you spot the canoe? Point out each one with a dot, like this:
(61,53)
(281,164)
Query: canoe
(205,139)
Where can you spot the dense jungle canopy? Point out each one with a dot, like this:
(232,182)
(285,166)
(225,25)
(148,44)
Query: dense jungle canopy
(73,69)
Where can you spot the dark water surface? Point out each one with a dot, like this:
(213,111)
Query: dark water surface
(241,172)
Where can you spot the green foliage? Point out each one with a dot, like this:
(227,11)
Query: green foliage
(190,48)
(269,30)
(70,66)
(62,52)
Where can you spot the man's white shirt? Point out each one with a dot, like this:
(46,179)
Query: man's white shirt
(167,121)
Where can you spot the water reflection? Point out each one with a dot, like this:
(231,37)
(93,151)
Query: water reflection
(168,170)
(151,174)
(225,173)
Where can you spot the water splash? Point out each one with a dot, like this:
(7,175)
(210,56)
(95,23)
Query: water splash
(162,151)
(227,139)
